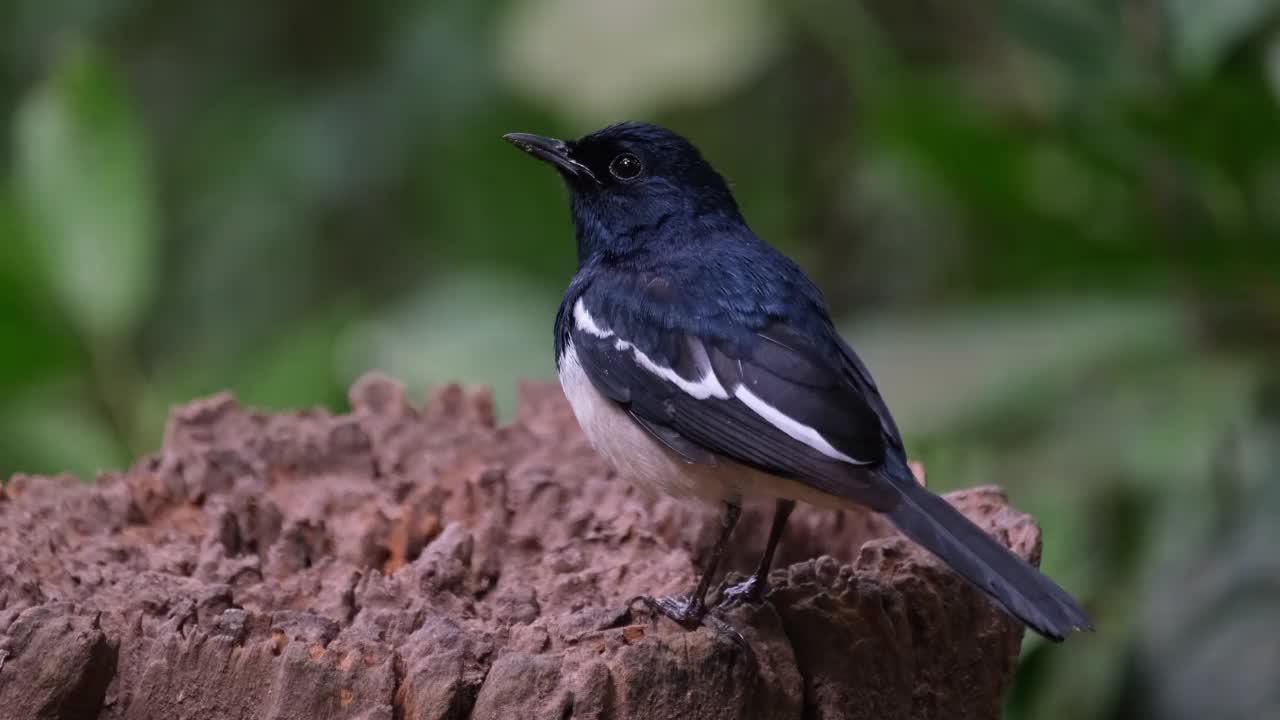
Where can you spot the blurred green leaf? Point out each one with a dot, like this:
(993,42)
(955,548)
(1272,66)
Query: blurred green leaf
(1273,65)
(1205,31)
(644,56)
(459,208)
(297,369)
(946,369)
(474,329)
(46,430)
(33,345)
(294,368)
(1213,595)
(83,175)
(1082,44)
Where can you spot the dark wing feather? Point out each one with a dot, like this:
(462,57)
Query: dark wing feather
(806,385)
(775,368)
(861,377)
(691,451)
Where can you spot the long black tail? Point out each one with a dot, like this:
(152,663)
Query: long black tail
(1012,582)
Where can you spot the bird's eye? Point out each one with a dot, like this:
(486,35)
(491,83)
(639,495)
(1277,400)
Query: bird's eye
(625,167)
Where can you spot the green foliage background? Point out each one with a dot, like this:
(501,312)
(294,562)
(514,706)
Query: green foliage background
(1052,228)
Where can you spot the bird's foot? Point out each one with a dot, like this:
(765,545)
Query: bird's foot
(689,613)
(748,592)
(692,614)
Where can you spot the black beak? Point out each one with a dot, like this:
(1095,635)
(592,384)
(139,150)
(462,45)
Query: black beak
(552,151)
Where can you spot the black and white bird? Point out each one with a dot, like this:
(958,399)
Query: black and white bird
(701,361)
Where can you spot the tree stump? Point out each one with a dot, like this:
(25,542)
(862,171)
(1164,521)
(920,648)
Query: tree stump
(411,564)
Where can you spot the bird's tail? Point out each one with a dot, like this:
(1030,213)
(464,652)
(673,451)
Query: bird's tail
(991,567)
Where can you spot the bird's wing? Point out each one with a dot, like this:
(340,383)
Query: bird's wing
(767,400)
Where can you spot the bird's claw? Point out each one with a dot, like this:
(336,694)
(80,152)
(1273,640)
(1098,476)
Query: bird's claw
(684,612)
(690,615)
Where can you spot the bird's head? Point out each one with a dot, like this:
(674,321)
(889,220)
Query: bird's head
(628,181)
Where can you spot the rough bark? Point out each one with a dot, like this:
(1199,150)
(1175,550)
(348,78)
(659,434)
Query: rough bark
(404,563)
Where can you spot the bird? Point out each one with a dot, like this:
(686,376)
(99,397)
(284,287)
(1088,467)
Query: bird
(702,362)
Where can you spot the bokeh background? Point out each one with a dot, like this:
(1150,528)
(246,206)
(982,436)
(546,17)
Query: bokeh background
(1052,229)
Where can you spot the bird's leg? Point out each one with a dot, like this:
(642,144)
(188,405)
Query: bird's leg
(753,589)
(692,610)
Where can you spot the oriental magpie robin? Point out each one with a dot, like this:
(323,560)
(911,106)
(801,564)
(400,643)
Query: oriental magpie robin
(701,361)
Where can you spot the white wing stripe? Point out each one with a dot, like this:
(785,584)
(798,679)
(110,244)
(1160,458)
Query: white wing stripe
(707,386)
(796,430)
(586,323)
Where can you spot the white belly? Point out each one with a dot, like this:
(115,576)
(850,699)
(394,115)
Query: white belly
(624,444)
(638,457)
